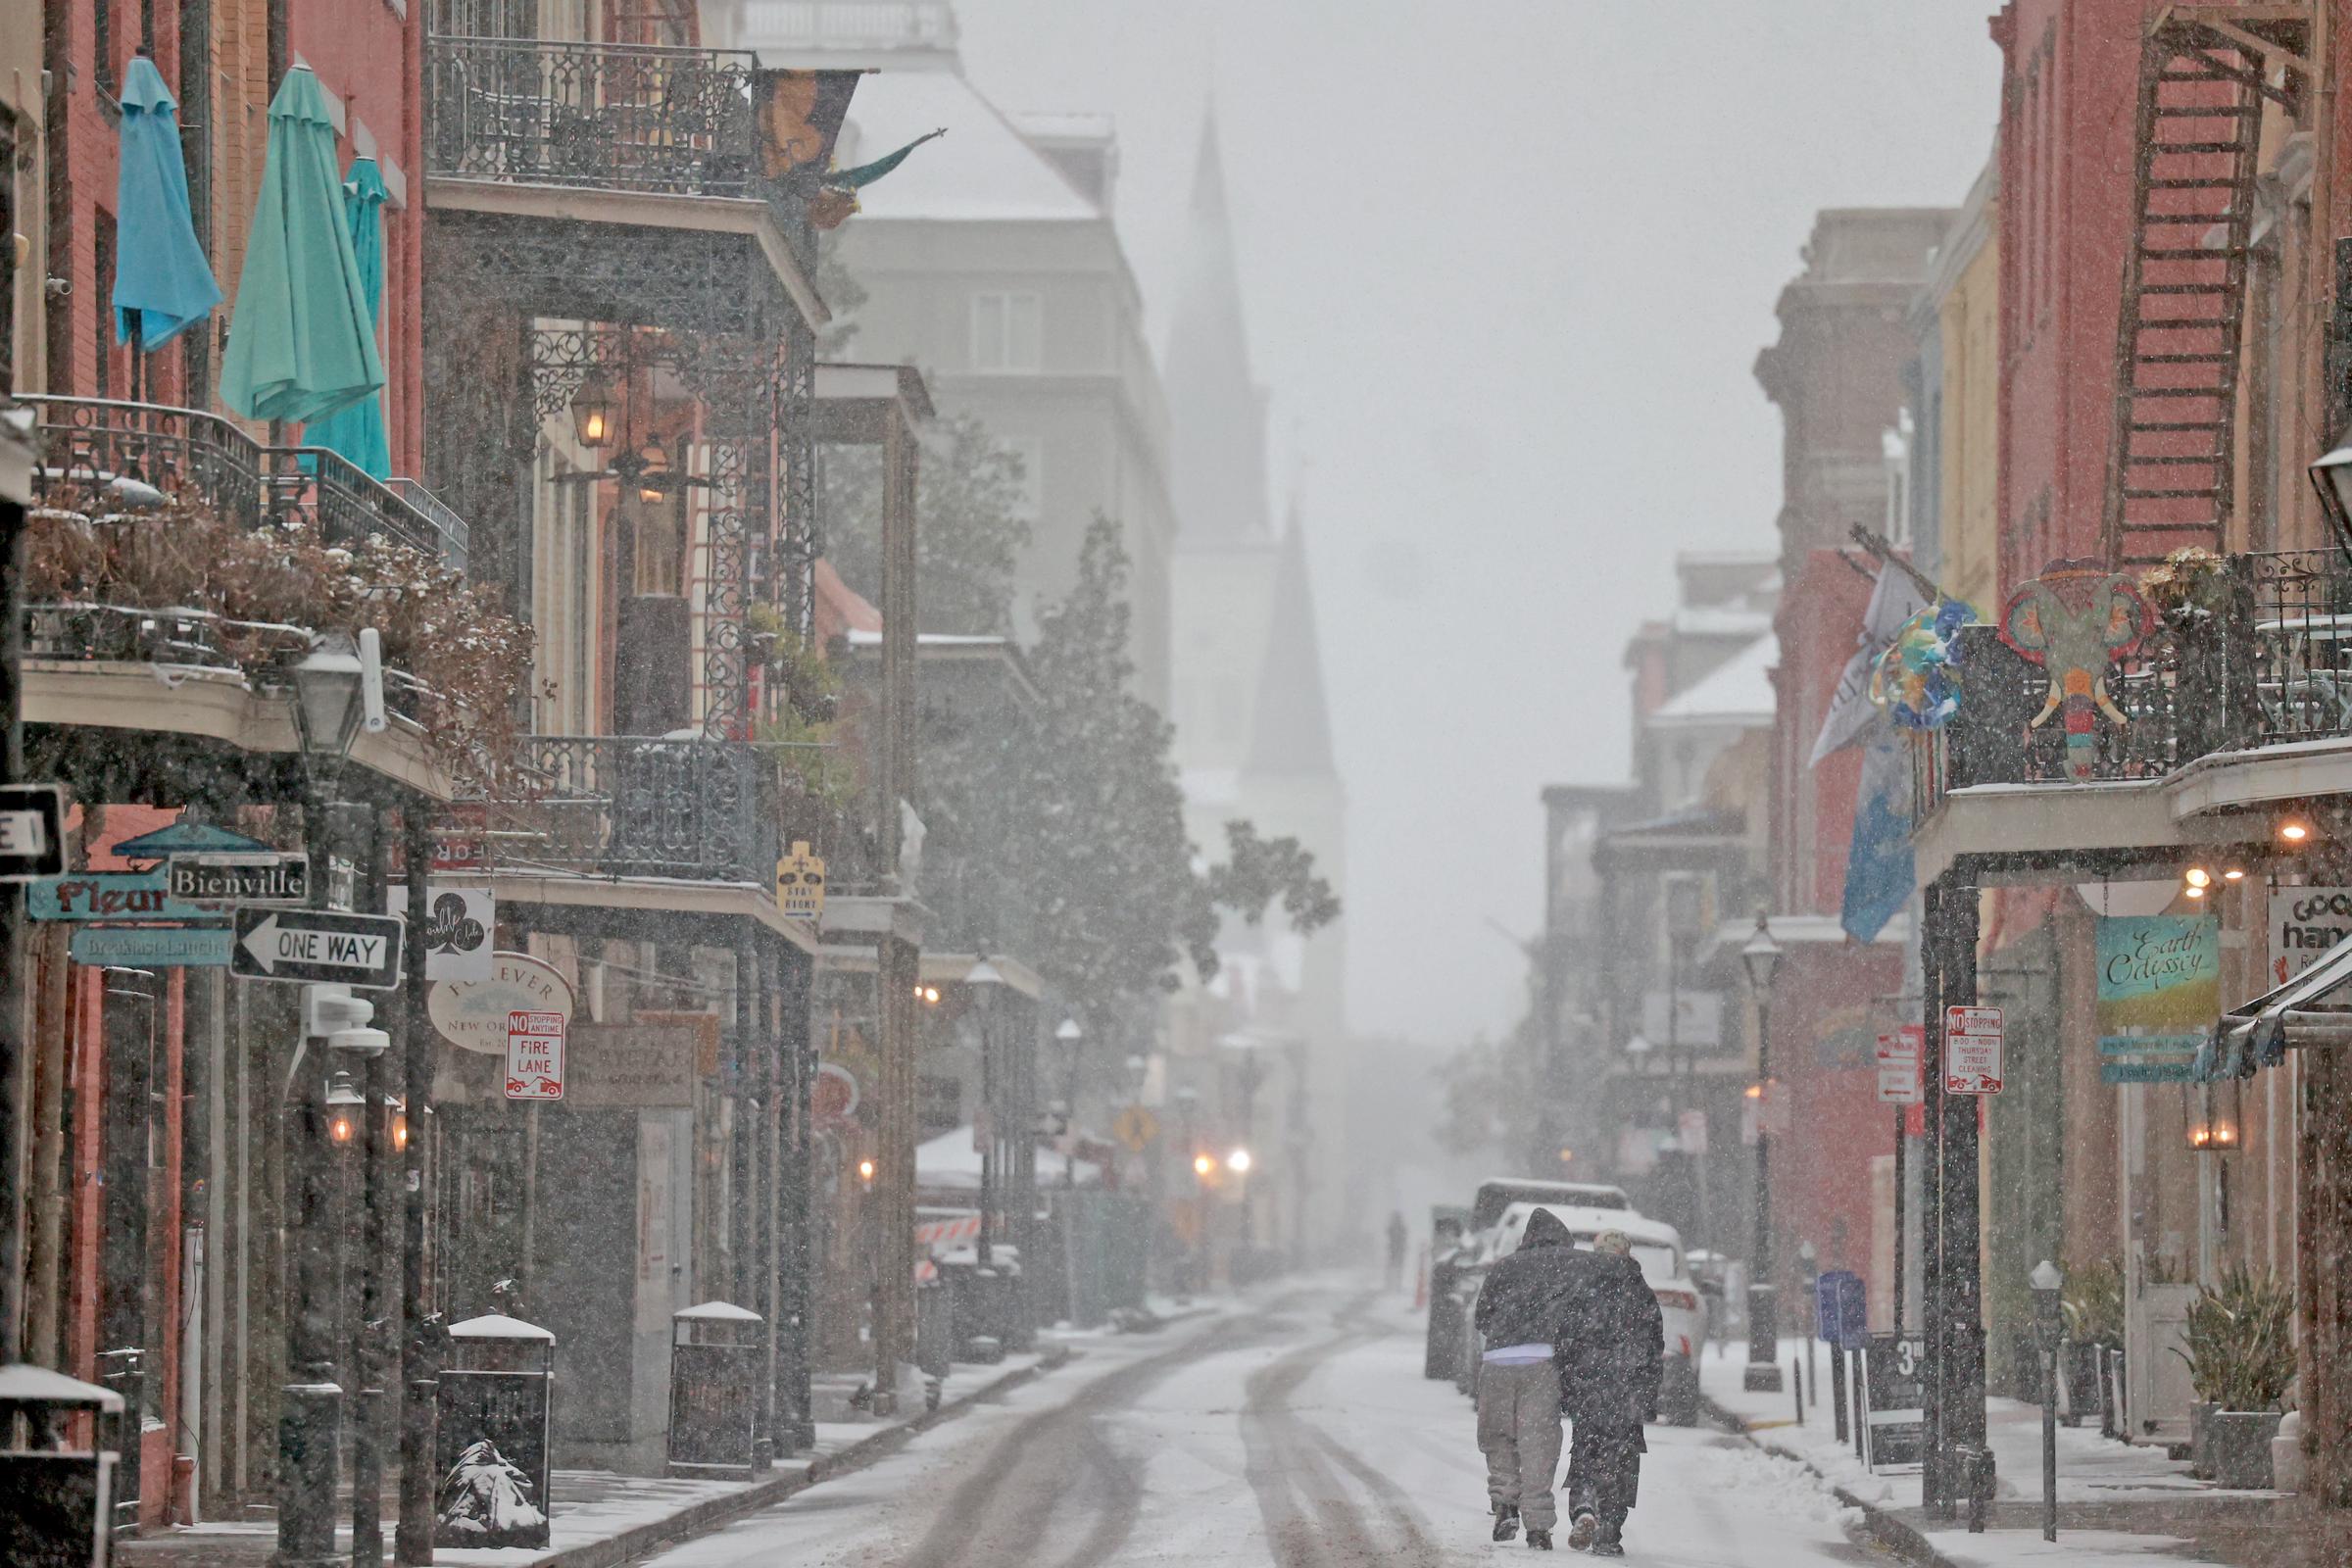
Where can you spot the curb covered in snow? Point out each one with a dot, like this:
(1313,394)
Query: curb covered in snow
(701,1518)
(1881,1526)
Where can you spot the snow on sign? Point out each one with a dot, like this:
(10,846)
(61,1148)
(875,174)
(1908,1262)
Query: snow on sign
(535,1055)
(1972,1051)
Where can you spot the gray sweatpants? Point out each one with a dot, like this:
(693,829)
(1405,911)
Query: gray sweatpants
(1519,1433)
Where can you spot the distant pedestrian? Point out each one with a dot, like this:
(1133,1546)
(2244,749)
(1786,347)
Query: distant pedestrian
(1524,1310)
(1609,1368)
(1397,1240)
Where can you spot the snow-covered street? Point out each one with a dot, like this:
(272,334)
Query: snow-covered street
(1292,1429)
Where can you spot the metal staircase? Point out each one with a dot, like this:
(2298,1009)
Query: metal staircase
(2206,71)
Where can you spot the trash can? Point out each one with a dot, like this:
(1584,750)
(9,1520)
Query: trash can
(717,1355)
(933,1329)
(56,1495)
(492,1451)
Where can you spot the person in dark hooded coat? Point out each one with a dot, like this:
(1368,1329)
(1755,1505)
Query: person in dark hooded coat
(1609,1366)
(1527,1309)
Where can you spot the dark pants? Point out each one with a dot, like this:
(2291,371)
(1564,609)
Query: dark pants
(1604,1471)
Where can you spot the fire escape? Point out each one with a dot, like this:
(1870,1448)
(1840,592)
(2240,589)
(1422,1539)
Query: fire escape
(2206,71)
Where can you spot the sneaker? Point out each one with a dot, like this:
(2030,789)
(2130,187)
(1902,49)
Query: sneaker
(1582,1531)
(1506,1521)
(1540,1540)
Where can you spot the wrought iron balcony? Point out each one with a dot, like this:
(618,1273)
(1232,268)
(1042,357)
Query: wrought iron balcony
(99,456)
(608,117)
(620,806)
(2256,652)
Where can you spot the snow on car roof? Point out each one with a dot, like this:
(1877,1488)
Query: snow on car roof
(1636,1227)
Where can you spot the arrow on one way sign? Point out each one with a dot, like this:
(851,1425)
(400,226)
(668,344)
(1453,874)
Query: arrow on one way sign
(318,945)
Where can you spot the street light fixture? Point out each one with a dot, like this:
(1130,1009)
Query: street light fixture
(592,413)
(1761,957)
(2332,477)
(344,1103)
(328,700)
(1238,1162)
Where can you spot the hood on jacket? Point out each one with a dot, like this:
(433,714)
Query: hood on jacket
(1546,1229)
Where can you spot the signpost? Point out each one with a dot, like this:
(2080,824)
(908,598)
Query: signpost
(318,945)
(240,878)
(32,831)
(1972,1051)
(535,1055)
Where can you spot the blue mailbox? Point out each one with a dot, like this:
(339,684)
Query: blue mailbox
(1841,1307)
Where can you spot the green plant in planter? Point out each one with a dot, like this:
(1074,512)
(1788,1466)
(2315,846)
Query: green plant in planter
(2241,1347)
(2093,1304)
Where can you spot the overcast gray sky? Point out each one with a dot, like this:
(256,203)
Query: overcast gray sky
(1507,264)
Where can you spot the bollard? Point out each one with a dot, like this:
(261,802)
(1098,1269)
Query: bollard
(1837,1391)
(1796,1386)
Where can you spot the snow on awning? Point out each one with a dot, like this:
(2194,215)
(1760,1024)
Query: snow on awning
(2313,1009)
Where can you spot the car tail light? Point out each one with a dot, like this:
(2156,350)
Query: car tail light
(1687,1300)
(1686,1339)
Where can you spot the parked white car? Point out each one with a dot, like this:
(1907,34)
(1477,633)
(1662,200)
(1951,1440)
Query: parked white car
(1658,1249)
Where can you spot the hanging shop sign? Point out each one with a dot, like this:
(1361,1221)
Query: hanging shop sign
(109,896)
(152,947)
(459,931)
(2159,992)
(535,1055)
(1974,1044)
(833,1098)
(268,877)
(32,831)
(471,1015)
(801,883)
(2305,922)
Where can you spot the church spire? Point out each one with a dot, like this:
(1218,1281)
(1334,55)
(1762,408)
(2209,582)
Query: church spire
(1216,410)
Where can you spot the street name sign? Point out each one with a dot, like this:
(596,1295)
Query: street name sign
(318,945)
(1972,1051)
(240,878)
(109,896)
(32,831)
(152,947)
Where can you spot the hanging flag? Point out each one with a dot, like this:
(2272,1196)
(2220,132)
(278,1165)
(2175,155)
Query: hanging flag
(1893,599)
(1878,869)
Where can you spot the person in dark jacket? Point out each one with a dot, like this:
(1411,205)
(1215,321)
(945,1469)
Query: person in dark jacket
(1609,1368)
(1526,1305)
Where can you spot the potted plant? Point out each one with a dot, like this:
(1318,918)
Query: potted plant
(2093,1306)
(2241,1359)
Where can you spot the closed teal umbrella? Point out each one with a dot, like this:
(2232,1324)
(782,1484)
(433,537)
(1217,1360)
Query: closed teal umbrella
(302,343)
(162,284)
(358,432)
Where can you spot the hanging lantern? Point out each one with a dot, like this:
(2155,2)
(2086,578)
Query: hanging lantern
(592,415)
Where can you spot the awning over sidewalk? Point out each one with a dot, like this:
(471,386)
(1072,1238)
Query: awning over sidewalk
(2313,1009)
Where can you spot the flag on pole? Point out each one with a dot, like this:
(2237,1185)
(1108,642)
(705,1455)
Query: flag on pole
(1893,599)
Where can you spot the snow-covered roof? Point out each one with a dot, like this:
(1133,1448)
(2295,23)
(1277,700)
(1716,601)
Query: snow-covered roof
(497,1326)
(1739,690)
(982,169)
(950,1162)
(1720,621)
(24,1384)
(717,1312)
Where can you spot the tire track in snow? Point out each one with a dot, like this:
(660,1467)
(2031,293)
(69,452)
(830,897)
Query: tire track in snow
(1002,1513)
(1312,1517)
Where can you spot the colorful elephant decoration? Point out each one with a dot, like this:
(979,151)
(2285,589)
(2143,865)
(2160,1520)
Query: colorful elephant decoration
(2076,620)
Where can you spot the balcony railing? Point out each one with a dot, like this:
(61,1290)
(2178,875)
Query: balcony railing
(105,456)
(608,117)
(634,806)
(2258,654)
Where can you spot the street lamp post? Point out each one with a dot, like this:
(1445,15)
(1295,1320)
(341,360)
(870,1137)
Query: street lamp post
(1760,957)
(984,977)
(2050,1327)
(1188,1103)
(328,707)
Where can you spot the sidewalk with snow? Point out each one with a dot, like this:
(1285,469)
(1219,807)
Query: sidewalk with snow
(2117,1503)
